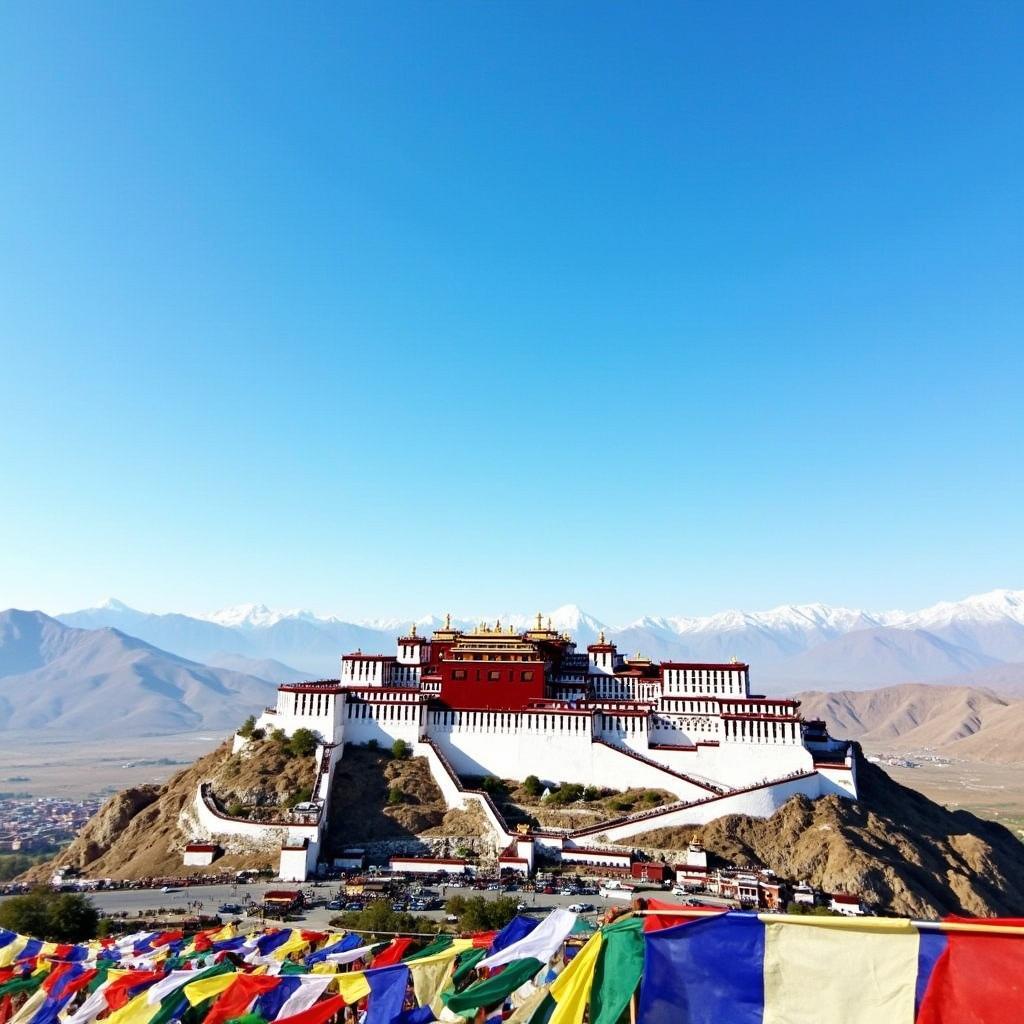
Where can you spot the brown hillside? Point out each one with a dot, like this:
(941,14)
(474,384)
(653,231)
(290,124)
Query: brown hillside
(142,832)
(360,811)
(959,721)
(894,846)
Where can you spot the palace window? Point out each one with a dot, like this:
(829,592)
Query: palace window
(459,673)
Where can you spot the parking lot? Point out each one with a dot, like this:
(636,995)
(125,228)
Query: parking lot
(207,899)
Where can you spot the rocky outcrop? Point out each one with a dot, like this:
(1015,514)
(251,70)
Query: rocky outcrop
(893,846)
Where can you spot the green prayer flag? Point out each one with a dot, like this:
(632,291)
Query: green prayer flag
(439,945)
(618,970)
(467,962)
(492,991)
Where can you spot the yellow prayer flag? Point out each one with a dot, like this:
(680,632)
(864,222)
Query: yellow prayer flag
(571,989)
(353,987)
(197,991)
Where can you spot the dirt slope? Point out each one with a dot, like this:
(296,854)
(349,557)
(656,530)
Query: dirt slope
(142,832)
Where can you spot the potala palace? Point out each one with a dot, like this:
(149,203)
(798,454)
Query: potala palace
(495,701)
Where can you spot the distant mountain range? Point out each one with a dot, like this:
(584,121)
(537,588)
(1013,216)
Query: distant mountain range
(960,721)
(100,683)
(790,647)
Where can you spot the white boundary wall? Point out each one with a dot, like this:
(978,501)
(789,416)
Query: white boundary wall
(758,803)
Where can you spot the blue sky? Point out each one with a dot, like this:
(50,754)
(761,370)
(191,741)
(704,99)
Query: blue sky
(380,309)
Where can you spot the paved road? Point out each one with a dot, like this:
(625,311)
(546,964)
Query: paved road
(210,897)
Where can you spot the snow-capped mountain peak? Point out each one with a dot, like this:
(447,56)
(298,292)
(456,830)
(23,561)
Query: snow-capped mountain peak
(256,616)
(994,606)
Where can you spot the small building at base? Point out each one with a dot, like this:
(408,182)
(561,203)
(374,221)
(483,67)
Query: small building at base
(201,855)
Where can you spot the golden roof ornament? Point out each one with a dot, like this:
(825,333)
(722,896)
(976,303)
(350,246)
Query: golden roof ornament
(549,623)
(497,625)
(600,637)
(447,620)
(538,621)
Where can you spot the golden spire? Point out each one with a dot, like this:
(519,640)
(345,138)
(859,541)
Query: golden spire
(413,631)
(447,620)
(497,625)
(549,623)
(510,630)
(600,637)
(538,622)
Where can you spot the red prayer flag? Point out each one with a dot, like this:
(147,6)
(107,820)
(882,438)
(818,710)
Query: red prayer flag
(318,1013)
(235,999)
(655,922)
(978,978)
(393,953)
(121,990)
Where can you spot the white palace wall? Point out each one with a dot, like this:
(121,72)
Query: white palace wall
(554,747)
(737,764)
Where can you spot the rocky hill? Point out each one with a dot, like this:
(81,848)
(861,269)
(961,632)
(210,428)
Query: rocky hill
(141,832)
(894,847)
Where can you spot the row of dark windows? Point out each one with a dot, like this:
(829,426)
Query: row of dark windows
(494,675)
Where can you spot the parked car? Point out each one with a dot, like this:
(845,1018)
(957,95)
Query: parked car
(354,905)
(229,908)
(334,905)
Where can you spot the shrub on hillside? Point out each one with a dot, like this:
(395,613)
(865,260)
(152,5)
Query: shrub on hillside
(303,743)
(300,796)
(494,786)
(567,793)
(248,727)
(532,786)
(400,750)
(395,796)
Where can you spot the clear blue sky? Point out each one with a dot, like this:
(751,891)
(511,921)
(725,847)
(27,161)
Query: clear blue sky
(387,308)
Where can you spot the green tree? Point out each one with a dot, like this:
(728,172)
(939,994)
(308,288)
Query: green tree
(303,743)
(395,796)
(53,916)
(247,727)
(236,809)
(379,920)
(591,793)
(279,736)
(400,750)
(532,786)
(476,914)
(372,745)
